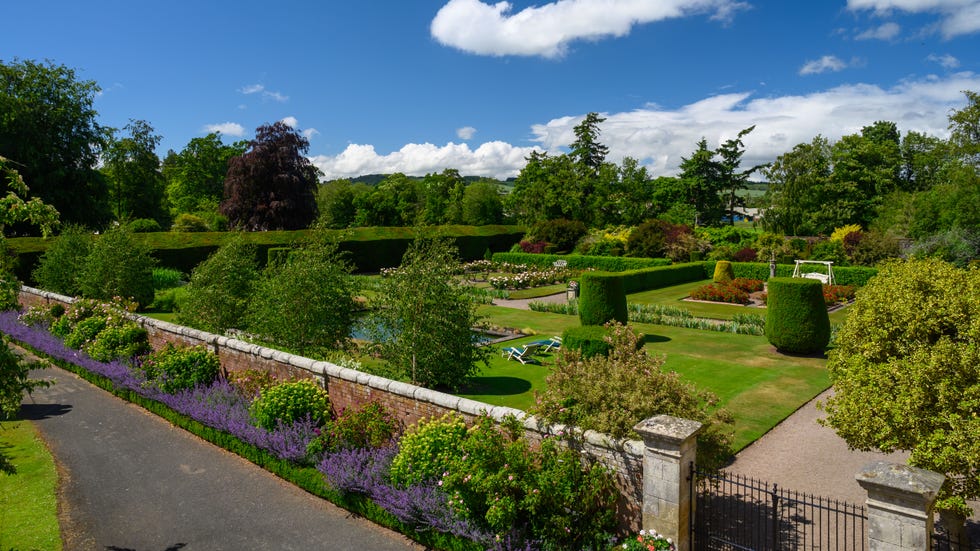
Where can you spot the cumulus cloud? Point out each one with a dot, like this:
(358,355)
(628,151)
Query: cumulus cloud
(250,89)
(946,61)
(659,137)
(466,133)
(293,123)
(309,133)
(822,65)
(290,122)
(547,30)
(956,17)
(227,128)
(886,31)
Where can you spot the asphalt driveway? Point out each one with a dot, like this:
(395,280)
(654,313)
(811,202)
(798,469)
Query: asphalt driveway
(131,481)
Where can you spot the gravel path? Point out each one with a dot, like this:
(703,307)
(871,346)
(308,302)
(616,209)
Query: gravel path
(522,304)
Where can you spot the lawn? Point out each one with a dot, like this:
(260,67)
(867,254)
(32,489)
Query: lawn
(675,295)
(758,385)
(28,483)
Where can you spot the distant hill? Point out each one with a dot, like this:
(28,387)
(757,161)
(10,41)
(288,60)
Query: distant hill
(373,179)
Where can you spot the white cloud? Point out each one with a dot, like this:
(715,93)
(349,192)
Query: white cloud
(822,65)
(290,122)
(886,31)
(227,128)
(658,137)
(547,30)
(250,89)
(309,133)
(946,61)
(466,133)
(498,159)
(957,17)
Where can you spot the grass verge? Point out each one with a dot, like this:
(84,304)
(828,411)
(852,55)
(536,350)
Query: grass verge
(28,490)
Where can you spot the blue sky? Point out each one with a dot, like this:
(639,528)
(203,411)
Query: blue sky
(417,86)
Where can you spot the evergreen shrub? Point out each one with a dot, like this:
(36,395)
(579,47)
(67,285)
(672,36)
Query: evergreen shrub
(581,261)
(174,368)
(589,340)
(797,320)
(290,402)
(723,272)
(602,298)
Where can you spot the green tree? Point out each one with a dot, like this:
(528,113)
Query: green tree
(60,266)
(195,177)
(272,185)
(964,127)
(337,203)
(395,201)
(905,372)
(14,381)
(424,318)
(442,198)
(586,152)
(634,199)
(702,180)
(797,180)
(217,297)
(118,266)
(546,188)
(49,132)
(732,180)
(307,304)
(132,170)
(482,204)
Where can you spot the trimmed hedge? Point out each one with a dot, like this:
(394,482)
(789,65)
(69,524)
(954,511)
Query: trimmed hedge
(796,315)
(590,340)
(581,261)
(602,298)
(635,281)
(370,249)
(843,275)
(723,272)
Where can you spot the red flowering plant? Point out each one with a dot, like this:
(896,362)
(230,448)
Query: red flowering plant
(720,292)
(835,294)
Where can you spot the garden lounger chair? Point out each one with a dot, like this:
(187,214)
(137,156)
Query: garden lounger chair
(523,354)
(554,343)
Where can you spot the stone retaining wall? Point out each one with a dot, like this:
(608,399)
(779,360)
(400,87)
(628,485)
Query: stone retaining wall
(350,388)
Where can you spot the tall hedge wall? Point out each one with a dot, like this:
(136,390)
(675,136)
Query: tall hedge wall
(796,315)
(581,261)
(370,249)
(602,299)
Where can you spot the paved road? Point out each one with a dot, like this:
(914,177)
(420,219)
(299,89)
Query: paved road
(131,481)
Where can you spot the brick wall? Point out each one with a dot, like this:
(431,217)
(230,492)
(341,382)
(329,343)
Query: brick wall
(350,388)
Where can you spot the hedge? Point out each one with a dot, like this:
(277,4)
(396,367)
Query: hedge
(843,275)
(602,299)
(369,249)
(590,340)
(581,261)
(796,315)
(635,281)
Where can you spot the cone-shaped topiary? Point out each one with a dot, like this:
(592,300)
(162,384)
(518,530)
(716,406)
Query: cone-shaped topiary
(724,272)
(796,317)
(602,298)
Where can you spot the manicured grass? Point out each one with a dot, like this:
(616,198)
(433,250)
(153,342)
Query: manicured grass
(28,483)
(537,292)
(675,295)
(758,385)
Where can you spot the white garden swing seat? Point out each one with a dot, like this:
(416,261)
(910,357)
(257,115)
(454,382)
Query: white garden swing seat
(826,279)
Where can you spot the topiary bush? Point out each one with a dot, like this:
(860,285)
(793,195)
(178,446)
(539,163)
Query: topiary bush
(144,225)
(723,272)
(174,368)
(797,320)
(290,402)
(589,340)
(602,298)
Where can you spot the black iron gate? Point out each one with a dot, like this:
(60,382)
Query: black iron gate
(732,512)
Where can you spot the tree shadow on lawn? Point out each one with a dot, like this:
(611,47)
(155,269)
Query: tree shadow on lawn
(38,412)
(6,465)
(650,339)
(497,386)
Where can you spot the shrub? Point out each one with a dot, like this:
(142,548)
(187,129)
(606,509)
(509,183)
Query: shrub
(648,239)
(189,223)
(124,340)
(533,247)
(723,272)
(830,250)
(60,266)
(218,294)
(144,225)
(369,426)
(118,266)
(426,449)
(561,233)
(796,320)
(167,300)
(748,285)
(85,331)
(602,298)
(746,254)
(251,382)
(589,340)
(14,380)
(174,368)
(841,233)
(835,294)
(610,394)
(290,402)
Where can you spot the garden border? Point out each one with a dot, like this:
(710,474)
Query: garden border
(350,388)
